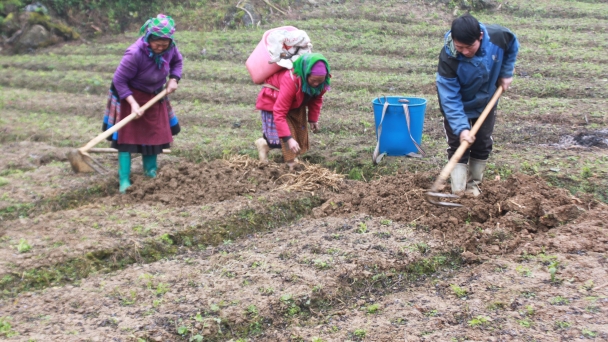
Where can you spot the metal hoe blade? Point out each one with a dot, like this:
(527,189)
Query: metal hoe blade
(83,162)
(434,198)
(94,164)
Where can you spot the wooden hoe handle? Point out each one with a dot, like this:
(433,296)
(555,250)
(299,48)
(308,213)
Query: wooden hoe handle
(120,124)
(464,145)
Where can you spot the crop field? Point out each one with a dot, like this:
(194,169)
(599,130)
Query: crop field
(220,247)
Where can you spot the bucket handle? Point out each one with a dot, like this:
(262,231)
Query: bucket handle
(377,156)
(406,111)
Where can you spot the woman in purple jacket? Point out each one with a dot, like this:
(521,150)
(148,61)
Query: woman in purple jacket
(141,75)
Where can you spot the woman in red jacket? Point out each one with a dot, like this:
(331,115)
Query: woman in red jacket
(283,102)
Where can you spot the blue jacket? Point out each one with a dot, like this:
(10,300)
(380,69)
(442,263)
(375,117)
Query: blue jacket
(466,85)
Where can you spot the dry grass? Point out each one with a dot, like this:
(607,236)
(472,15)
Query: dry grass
(309,177)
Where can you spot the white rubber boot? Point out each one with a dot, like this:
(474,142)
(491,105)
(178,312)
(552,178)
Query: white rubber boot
(263,149)
(458,178)
(475,176)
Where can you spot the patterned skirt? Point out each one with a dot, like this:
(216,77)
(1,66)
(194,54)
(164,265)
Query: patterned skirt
(148,135)
(298,127)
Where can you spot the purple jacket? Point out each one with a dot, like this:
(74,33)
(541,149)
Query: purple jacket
(137,70)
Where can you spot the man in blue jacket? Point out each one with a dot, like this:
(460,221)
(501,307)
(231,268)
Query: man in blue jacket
(475,60)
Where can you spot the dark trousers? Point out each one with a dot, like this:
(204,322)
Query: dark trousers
(482,146)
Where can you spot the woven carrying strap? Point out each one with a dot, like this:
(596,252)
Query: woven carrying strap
(266,85)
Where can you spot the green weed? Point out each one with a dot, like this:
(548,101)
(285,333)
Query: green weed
(559,300)
(528,294)
(355,174)
(562,325)
(359,334)
(588,333)
(162,288)
(252,310)
(292,308)
(266,290)
(586,172)
(165,238)
(479,321)
(526,323)
(524,271)
(320,264)
(496,306)
(196,338)
(198,317)
(182,330)
(372,309)
(431,313)
(553,270)
(362,228)
(458,291)
(23,246)
(6,329)
(130,299)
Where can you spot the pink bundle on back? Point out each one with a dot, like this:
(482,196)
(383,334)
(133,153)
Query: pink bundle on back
(257,63)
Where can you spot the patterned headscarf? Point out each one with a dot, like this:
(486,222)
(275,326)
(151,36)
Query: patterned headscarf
(302,67)
(162,26)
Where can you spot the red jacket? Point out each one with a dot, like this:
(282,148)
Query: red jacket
(289,97)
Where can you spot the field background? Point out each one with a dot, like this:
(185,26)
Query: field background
(551,126)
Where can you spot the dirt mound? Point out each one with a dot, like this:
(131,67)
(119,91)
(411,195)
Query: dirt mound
(496,222)
(220,180)
(188,183)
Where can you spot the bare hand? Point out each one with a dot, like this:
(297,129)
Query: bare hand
(466,136)
(505,83)
(135,107)
(293,145)
(314,126)
(171,86)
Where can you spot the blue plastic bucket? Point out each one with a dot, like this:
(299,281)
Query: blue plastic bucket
(395,139)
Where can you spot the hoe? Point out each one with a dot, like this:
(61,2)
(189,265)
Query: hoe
(81,160)
(434,196)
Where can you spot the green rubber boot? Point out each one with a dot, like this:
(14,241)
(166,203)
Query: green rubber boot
(124,171)
(150,165)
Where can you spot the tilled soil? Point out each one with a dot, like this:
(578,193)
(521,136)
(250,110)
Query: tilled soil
(206,198)
(215,181)
(97,231)
(33,172)
(511,298)
(278,277)
(534,265)
(495,223)
(146,212)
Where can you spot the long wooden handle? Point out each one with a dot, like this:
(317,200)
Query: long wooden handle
(120,124)
(464,145)
(113,150)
